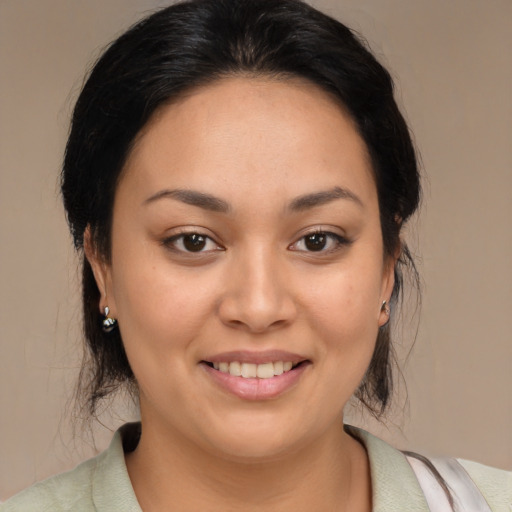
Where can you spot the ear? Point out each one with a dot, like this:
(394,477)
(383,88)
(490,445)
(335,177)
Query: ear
(388,283)
(102,273)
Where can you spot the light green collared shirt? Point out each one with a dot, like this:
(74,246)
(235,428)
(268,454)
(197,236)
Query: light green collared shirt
(102,484)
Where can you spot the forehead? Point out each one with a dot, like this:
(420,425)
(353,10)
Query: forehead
(256,132)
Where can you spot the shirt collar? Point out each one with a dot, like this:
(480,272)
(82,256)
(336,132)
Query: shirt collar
(393,481)
(111,485)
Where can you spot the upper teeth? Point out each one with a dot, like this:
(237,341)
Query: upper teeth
(250,370)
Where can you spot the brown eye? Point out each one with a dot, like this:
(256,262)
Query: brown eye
(191,243)
(315,242)
(323,242)
(194,242)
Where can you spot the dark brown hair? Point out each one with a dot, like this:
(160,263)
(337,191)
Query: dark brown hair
(196,42)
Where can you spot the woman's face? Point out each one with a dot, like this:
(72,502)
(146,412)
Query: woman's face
(246,239)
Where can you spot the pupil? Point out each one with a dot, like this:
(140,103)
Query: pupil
(316,242)
(194,243)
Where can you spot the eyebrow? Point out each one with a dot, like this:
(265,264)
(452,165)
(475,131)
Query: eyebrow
(194,198)
(308,201)
(215,204)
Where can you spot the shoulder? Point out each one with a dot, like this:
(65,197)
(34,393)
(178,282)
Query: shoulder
(494,484)
(99,484)
(395,478)
(68,491)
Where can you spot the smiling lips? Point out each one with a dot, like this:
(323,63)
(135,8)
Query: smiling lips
(253,376)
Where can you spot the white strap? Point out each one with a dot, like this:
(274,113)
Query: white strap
(465,493)
(434,494)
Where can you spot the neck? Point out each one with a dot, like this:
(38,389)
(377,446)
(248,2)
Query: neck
(330,473)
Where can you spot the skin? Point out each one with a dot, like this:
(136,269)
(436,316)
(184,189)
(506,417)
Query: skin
(257,145)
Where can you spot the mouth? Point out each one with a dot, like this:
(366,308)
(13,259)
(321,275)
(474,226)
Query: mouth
(256,376)
(245,370)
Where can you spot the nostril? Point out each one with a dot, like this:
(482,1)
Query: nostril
(236,323)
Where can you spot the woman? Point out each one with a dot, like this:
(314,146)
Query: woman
(238,175)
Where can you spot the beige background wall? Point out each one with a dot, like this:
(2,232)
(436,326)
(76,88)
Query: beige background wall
(455,82)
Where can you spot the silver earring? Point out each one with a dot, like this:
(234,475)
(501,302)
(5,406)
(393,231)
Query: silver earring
(385,307)
(109,323)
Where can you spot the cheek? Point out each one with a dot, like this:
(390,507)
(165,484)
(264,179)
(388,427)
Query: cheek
(346,299)
(160,309)
(344,311)
(161,314)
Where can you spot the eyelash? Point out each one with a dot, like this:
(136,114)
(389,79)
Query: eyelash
(172,242)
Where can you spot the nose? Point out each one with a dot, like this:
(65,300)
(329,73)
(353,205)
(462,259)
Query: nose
(258,295)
